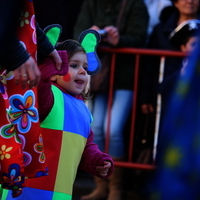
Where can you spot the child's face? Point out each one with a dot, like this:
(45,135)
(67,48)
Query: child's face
(190,45)
(76,79)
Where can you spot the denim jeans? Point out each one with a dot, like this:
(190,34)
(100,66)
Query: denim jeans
(121,107)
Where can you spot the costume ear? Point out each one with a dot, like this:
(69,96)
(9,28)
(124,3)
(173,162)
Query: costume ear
(89,40)
(53,33)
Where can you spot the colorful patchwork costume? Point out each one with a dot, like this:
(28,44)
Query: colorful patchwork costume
(67,137)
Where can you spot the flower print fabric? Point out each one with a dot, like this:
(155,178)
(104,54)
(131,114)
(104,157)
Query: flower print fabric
(21,145)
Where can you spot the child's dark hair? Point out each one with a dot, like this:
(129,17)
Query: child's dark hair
(72,47)
(186,39)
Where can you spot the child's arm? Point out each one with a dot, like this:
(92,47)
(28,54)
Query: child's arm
(94,161)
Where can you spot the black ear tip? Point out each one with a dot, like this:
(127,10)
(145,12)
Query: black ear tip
(87,31)
(46,29)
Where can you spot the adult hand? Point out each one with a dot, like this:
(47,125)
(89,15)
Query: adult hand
(28,74)
(56,57)
(147,108)
(112,35)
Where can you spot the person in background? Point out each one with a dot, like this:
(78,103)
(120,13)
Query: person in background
(125,25)
(179,12)
(177,175)
(19,75)
(66,126)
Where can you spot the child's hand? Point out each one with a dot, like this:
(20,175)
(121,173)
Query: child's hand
(103,170)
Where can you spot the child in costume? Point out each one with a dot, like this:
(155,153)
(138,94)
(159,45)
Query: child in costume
(21,147)
(66,121)
(185,38)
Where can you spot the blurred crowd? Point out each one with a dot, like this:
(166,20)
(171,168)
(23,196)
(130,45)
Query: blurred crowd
(146,24)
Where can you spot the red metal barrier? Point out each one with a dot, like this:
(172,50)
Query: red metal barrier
(137,53)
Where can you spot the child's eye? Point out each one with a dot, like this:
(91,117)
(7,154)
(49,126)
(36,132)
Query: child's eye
(73,65)
(85,68)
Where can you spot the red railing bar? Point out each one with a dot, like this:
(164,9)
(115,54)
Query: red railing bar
(134,165)
(142,51)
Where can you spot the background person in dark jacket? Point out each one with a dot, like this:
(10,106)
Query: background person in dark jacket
(185,38)
(171,17)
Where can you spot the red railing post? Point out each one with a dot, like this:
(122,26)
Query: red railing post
(110,99)
(134,107)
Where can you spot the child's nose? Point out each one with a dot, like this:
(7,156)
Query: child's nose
(83,71)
